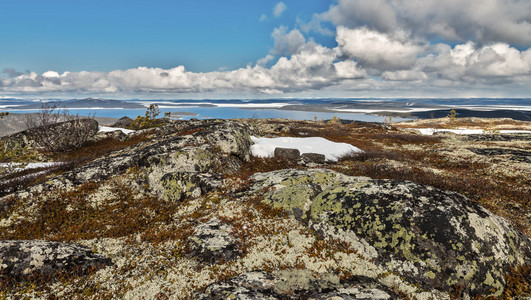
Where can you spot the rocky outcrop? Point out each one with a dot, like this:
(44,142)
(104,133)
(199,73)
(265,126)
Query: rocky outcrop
(214,146)
(436,239)
(294,155)
(499,137)
(20,260)
(295,284)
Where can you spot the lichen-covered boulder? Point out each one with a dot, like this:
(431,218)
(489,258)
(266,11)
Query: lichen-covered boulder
(295,284)
(434,238)
(20,260)
(212,242)
(180,185)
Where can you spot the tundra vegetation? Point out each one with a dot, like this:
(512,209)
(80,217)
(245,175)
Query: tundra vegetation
(160,194)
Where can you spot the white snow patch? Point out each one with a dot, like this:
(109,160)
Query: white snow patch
(431,131)
(265,147)
(21,166)
(107,129)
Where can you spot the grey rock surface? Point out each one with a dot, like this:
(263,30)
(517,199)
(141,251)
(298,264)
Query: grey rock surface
(295,284)
(34,137)
(179,185)
(15,122)
(518,155)
(313,158)
(213,242)
(116,135)
(22,259)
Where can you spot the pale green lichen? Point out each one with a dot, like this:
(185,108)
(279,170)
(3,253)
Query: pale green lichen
(430,274)
(326,202)
(291,197)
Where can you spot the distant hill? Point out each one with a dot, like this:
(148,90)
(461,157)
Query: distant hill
(88,102)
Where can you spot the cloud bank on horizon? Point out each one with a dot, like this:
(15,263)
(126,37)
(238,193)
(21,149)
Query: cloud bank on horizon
(382,48)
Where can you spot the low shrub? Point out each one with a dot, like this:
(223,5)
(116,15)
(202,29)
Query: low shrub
(55,130)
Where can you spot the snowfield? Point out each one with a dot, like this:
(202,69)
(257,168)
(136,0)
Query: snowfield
(265,147)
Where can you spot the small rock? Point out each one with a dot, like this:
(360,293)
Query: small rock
(287,153)
(124,122)
(313,157)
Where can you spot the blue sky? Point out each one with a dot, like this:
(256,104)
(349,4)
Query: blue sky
(263,49)
(108,35)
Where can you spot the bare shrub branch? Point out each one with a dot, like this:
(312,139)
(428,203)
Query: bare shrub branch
(55,130)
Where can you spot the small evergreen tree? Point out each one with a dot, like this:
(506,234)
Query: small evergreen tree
(149,120)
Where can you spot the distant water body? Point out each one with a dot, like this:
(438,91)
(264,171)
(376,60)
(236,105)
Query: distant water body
(371,110)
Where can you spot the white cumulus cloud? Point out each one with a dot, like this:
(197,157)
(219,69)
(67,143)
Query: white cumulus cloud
(483,21)
(279,9)
(470,62)
(312,67)
(377,50)
(287,43)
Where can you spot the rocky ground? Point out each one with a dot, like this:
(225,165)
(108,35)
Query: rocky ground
(185,211)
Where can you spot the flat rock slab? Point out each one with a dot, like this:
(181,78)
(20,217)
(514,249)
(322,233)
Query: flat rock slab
(519,155)
(20,260)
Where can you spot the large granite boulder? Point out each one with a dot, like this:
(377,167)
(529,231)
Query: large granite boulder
(20,260)
(433,238)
